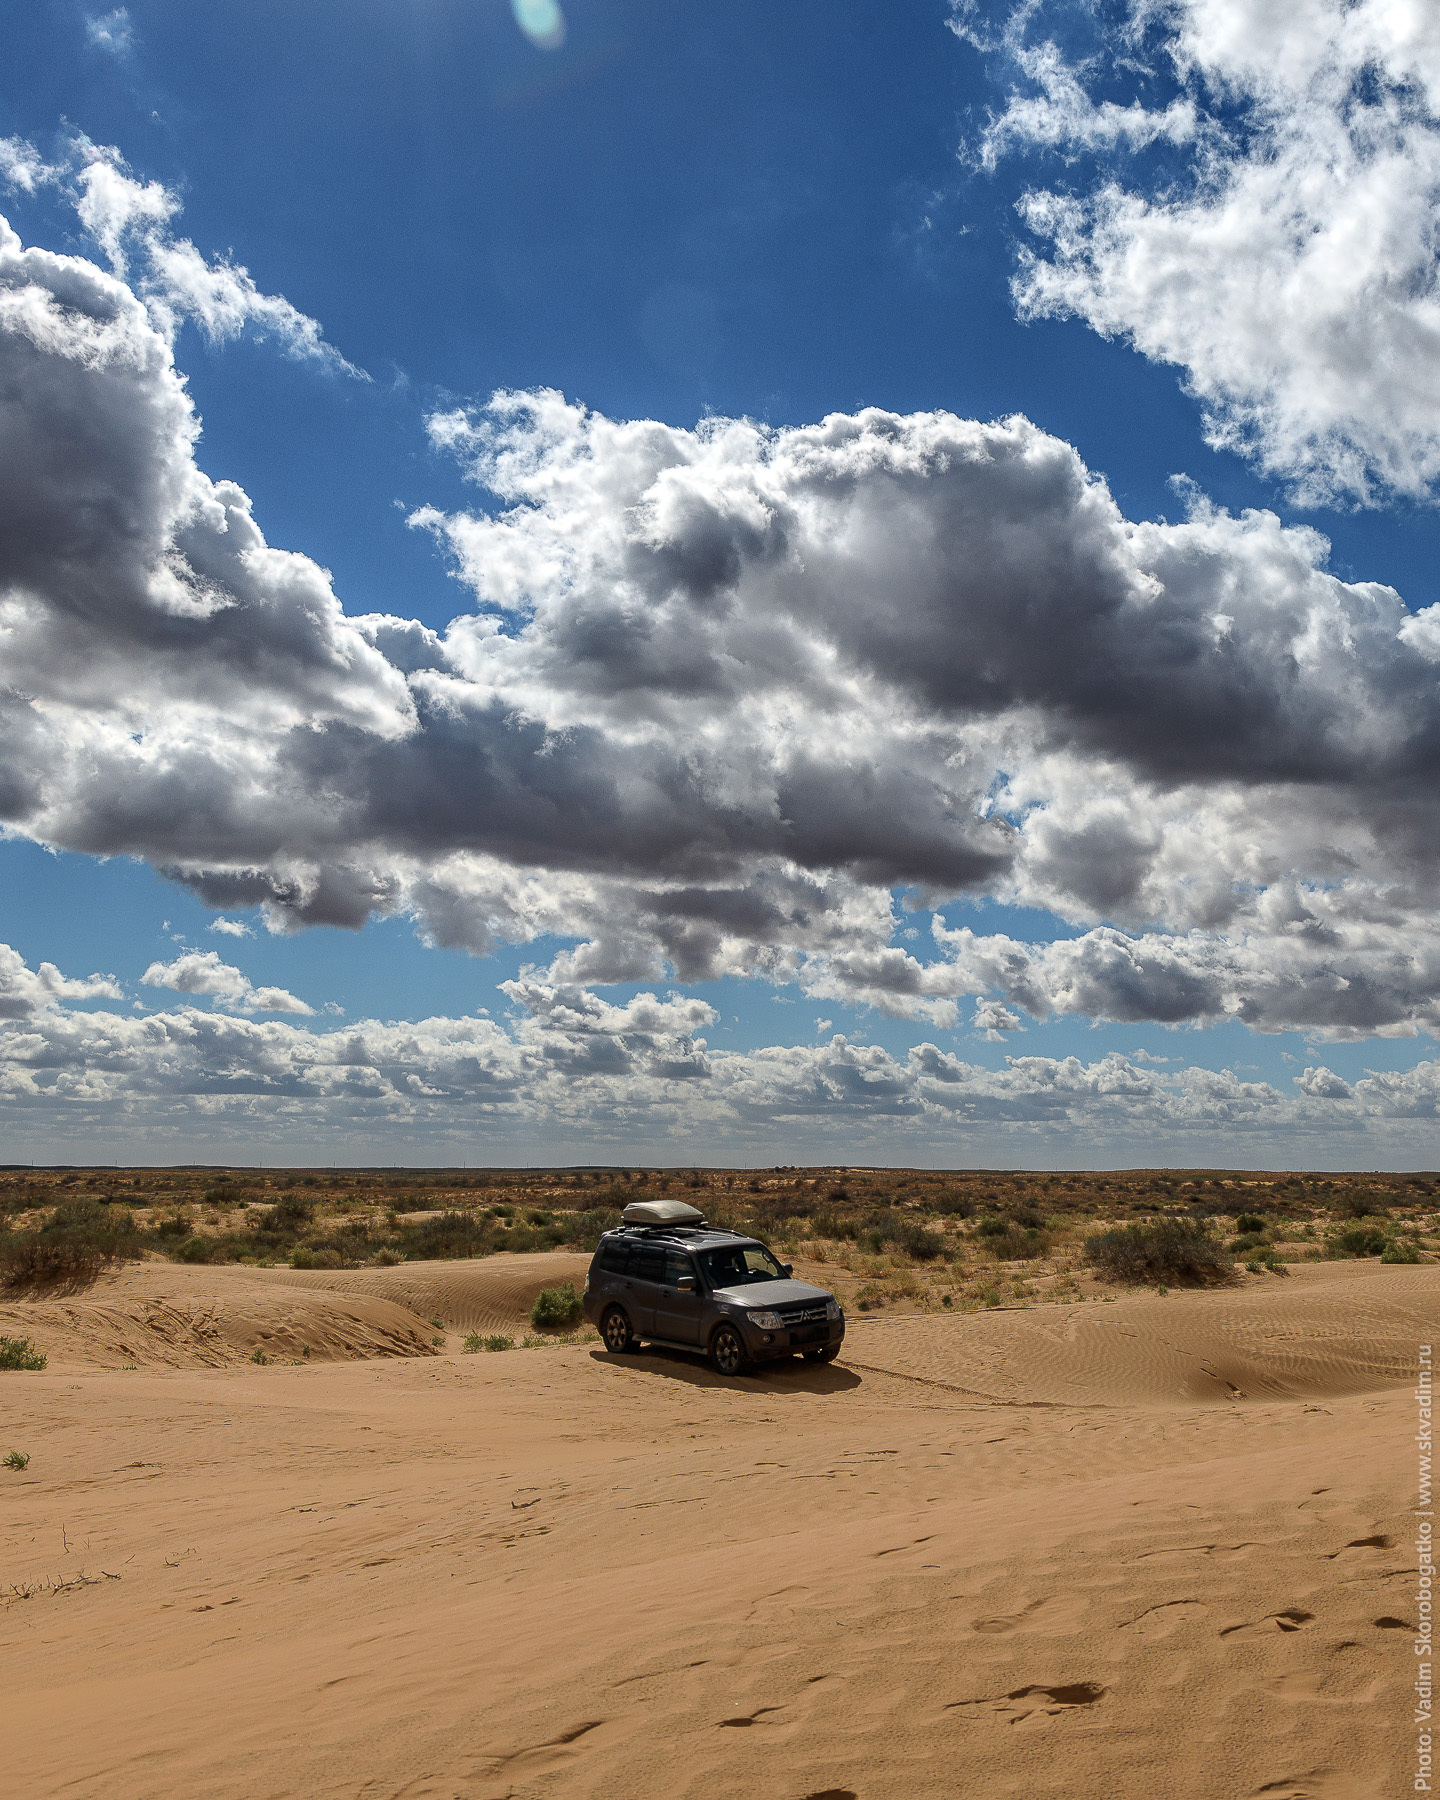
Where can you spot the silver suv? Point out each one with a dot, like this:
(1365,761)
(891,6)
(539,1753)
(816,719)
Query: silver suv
(666,1277)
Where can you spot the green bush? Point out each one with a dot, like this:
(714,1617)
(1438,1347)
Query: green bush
(201,1250)
(450,1234)
(17,1460)
(1398,1252)
(73,1245)
(1249,1224)
(556,1307)
(291,1213)
(19,1353)
(1010,1240)
(475,1342)
(903,1234)
(1360,1240)
(1178,1252)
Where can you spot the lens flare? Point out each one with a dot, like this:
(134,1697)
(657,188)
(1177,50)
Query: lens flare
(542,22)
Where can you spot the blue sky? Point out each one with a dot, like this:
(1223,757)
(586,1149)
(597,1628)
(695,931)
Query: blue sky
(774,214)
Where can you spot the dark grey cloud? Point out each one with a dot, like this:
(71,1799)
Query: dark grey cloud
(723,691)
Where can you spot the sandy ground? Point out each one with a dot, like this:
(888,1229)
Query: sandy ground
(1156,1547)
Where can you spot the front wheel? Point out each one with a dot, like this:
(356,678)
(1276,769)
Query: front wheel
(727,1352)
(615,1329)
(826,1353)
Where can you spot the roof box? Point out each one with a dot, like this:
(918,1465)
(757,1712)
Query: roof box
(661,1212)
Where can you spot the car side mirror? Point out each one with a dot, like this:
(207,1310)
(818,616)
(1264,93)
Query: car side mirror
(789,1268)
(686,1284)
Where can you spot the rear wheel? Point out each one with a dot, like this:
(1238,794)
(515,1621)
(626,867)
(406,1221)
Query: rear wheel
(615,1329)
(826,1353)
(727,1352)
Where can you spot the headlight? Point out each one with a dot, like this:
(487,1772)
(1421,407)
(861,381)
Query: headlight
(832,1310)
(767,1321)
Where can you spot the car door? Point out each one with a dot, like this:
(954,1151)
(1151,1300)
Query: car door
(677,1309)
(647,1275)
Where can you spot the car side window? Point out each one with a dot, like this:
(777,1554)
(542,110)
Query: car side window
(649,1263)
(615,1257)
(677,1263)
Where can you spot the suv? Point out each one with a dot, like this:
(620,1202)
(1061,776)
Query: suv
(667,1277)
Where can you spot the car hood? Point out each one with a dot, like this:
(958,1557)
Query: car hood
(757,1294)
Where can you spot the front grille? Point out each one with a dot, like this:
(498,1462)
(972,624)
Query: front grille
(801,1314)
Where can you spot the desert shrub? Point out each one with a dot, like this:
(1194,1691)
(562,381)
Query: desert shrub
(17,1460)
(201,1250)
(223,1194)
(386,1258)
(1241,1246)
(450,1234)
(1176,1251)
(476,1342)
(583,1230)
(1012,1241)
(951,1205)
(556,1308)
(290,1214)
(828,1223)
(891,1233)
(177,1225)
(19,1353)
(1360,1240)
(1249,1224)
(73,1244)
(1398,1252)
(1362,1205)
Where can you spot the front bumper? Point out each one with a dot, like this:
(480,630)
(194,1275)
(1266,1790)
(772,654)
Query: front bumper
(764,1346)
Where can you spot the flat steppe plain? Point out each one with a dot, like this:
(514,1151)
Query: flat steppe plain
(1160,1546)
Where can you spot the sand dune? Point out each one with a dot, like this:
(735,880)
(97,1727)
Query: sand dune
(488,1294)
(160,1316)
(1331,1329)
(1160,1547)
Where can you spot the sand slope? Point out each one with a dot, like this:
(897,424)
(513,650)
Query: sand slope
(553,1574)
(1330,1329)
(160,1315)
(488,1294)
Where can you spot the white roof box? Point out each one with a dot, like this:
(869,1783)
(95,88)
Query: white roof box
(661,1212)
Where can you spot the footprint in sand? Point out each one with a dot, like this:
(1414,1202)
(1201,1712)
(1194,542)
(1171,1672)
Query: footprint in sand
(1268,1626)
(1161,1621)
(1034,1705)
(1054,1615)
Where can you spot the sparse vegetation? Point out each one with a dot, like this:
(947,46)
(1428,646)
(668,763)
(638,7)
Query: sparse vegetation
(1360,1240)
(257,1355)
(19,1353)
(882,1238)
(1398,1251)
(1179,1252)
(556,1308)
(475,1341)
(17,1460)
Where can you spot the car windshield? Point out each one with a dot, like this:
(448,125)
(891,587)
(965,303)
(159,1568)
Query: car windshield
(735,1264)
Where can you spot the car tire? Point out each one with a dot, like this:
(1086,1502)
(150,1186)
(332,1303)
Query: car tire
(727,1351)
(826,1353)
(616,1331)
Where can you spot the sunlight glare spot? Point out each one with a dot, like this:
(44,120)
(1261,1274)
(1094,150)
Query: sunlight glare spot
(542,22)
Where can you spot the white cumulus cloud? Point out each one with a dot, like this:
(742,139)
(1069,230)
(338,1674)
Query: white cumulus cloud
(202,972)
(1283,253)
(721,695)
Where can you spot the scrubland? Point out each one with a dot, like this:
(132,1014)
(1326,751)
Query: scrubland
(1112,1491)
